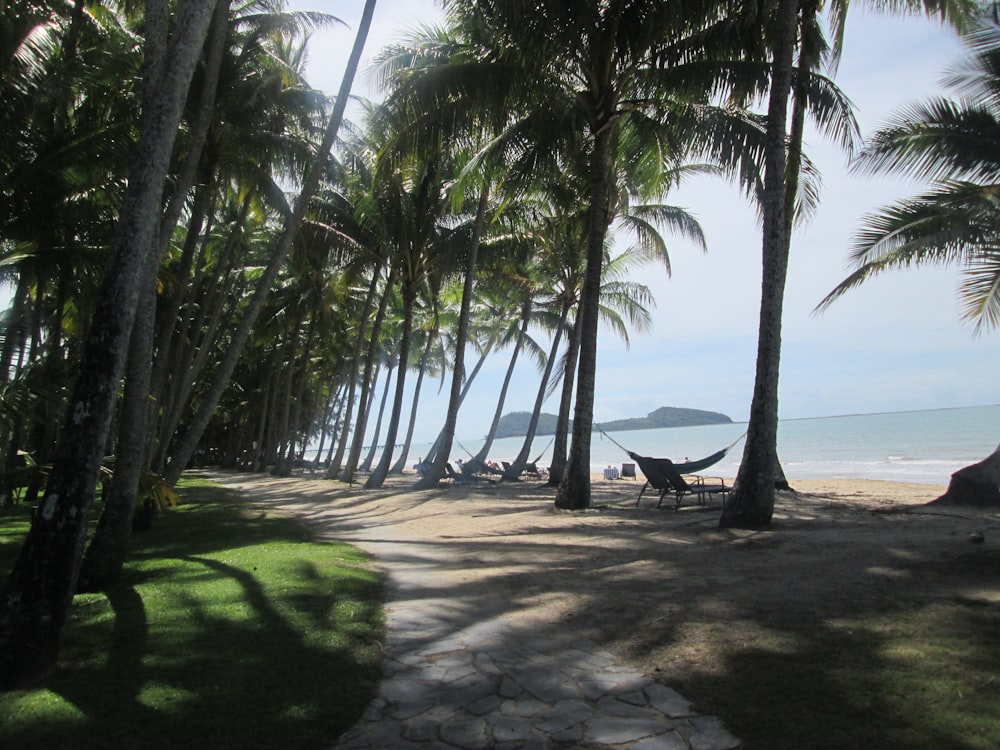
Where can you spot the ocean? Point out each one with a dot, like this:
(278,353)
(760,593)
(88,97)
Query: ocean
(912,446)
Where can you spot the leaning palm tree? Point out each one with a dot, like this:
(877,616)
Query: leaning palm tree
(954,143)
(35,601)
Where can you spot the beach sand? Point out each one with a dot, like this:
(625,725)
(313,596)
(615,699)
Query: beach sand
(669,592)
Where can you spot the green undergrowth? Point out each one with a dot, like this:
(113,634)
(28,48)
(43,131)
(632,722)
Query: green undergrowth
(230,628)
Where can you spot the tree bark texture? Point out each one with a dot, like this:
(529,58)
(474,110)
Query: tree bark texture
(35,603)
(574,491)
(977,485)
(752,502)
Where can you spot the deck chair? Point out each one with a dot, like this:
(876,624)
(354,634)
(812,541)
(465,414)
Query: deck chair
(655,478)
(628,471)
(531,469)
(701,488)
(455,476)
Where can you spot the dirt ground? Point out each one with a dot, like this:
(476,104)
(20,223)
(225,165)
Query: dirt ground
(670,591)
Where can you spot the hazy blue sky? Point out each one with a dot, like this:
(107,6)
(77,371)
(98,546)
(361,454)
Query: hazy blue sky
(895,344)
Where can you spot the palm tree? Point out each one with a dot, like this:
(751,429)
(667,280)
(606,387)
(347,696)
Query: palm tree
(954,143)
(794,26)
(35,601)
(186,445)
(600,81)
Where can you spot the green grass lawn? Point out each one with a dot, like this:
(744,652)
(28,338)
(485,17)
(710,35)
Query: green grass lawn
(229,629)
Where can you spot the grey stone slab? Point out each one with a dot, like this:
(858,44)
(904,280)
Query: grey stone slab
(469,735)
(407,709)
(485,705)
(668,700)
(484,663)
(610,706)
(710,734)
(509,688)
(548,686)
(512,729)
(666,741)
(613,730)
(418,730)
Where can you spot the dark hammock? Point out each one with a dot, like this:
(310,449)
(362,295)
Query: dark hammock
(688,467)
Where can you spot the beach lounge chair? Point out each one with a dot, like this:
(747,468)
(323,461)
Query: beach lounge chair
(531,469)
(628,471)
(655,478)
(701,486)
(456,477)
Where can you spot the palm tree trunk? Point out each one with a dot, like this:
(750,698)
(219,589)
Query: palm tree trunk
(400,464)
(518,464)
(189,441)
(105,555)
(502,398)
(367,382)
(441,454)
(751,504)
(36,599)
(574,491)
(557,469)
(976,485)
(439,440)
(334,468)
(366,465)
(377,478)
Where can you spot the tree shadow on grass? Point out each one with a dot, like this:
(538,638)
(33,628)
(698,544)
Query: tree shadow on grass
(156,664)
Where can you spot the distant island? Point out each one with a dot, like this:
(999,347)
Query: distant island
(515,424)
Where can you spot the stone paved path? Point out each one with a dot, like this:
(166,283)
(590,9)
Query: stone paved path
(476,678)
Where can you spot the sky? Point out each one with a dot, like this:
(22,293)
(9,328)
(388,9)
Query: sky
(896,343)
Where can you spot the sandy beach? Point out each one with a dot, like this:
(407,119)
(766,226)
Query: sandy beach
(669,592)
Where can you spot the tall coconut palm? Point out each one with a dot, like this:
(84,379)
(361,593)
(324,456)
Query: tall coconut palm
(36,599)
(186,445)
(794,28)
(602,79)
(955,144)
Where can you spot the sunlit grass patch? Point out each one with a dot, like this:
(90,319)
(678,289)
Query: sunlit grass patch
(229,629)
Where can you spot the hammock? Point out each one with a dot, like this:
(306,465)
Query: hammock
(688,467)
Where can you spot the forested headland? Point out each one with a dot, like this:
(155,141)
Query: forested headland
(516,423)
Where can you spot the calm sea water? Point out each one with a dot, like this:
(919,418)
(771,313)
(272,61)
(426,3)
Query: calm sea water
(913,446)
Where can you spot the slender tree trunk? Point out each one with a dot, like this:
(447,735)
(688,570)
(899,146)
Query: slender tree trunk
(751,503)
(367,382)
(189,441)
(521,460)
(574,491)
(502,398)
(377,478)
(557,468)
(35,602)
(441,455)
(366,465)
(400,464)
(105,556)
(439,440)
(335,463)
